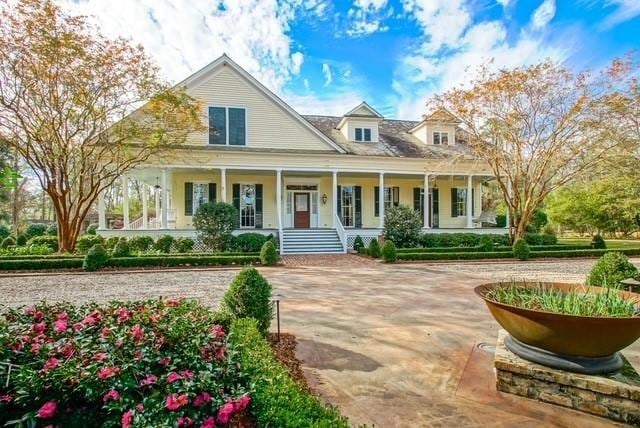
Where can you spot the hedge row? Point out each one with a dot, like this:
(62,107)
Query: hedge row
(80,256)
(509,254)
(557,247)
(76,262)
(277,401)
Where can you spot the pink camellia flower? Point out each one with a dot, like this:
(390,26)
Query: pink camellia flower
(51,364)
(6,398)
(111,395)
(100,356)
(105,332)
(124,314)
(137,332)
(226,412)
(164,361)
(172,302)
(35,347)
(208,423)
(155,317)
(175,401)
(218,331)
(38,316)
(107,372)
(150,379)
(62,315)
(201,399)
(68,349)
(60,325)
(78,326)
(127,419)
(173,377)
(242,403)
(221,352)
(48,410)
(39,328)
(139,407)
(137,355)
(185,421)
(29,310)
(187,374)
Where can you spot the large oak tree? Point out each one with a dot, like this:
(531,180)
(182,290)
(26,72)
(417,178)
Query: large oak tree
(67,94)
(538,127)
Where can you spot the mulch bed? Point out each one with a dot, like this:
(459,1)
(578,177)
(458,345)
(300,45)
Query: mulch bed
(285,352)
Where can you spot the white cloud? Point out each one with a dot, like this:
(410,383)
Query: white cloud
(624,11)
(297,59)
(442,21)
(328,76)
(544,14)
(335,104)
(504,3)
(366,17)
(307,87)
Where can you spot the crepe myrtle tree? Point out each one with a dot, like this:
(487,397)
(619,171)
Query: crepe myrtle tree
(538,127)
(81,109)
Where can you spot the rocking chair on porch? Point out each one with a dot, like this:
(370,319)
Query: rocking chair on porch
(485,217)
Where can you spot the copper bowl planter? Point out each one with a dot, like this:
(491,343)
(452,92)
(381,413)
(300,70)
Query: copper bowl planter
(569,342)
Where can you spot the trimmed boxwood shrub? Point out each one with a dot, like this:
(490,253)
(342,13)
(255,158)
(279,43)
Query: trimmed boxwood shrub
(121,249)
(41,263)
(247,242)
(182,260)
(521,250)
(140,243)
(268,254)
(374,248)
(21,240)
(49,241)
(358,243)
(4,231)
(429,240)
(184,244)
(8,242)
(249,296)
(456,256)
(52,229)
(277,400)
(538,239)
(36,229)
(486,244)
(86,242)
(164,244)
(91,229)
(612,268)
(111,242)
(95,259)
(388,251)
(597,242)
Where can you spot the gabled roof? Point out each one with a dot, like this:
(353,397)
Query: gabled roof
(224,60)
(441,114)
(363,105)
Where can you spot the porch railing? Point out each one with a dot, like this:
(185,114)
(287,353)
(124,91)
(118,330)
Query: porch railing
(342,234)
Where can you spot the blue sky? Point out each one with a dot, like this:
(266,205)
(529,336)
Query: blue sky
(326,56)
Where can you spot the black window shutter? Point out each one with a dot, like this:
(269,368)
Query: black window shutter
(396,196)
(188,198)
(339,204)
(236,196)
(212,192)
(473,204)
(258,206)
(358,197)
(376,201)
(417,202)
(454,199)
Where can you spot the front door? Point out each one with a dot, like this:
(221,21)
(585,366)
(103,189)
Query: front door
(301,210)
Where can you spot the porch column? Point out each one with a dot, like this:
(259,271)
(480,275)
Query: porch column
(469,202)
(165,199)
(381,201)
(145,206)
(223,184)
(156,193)
(334,198)
(125,202)
(102,215)
(279,199)
(425,203)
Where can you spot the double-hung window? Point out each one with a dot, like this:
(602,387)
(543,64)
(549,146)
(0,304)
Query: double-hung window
(440,138)
(348,206)
(363,134)
(459,203)
(391,197)
(247,205)
(228,126)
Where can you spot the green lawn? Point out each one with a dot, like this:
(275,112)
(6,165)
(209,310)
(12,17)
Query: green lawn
(611,243)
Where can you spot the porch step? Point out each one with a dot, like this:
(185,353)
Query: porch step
(311,241)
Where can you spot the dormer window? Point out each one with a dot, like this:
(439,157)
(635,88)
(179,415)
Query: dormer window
(440,138)
(363,134)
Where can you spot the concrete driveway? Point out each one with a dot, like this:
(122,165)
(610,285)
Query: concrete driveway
(411,345)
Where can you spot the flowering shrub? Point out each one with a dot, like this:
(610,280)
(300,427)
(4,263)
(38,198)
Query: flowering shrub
(154,363)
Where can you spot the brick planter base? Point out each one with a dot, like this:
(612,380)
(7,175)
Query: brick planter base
(615,397)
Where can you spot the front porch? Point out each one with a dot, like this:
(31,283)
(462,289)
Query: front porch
(351,202)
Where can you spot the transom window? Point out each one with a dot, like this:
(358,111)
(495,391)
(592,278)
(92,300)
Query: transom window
(363,134)
(228,126)
(460,203)
(440,138)
(247,205)
(348,206)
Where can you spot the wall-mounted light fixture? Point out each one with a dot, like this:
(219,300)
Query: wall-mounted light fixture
(324,199)
(157,186)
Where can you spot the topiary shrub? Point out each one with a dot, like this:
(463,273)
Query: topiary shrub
(164,244)
(521,250)
(486,244)
(95,258)
(214,222)
(110,242)
(610,269)
(92,229)
(184,244)
(374,248)
(140,243)
(247,242)
(358,243)
(4,231)
(597,242)
(21,240)
(402,225)
(121,249)
(388,251)
(52,229)
(36,229)
(249,296)
(49,241)
(86,242)
(8,242)
(268,254)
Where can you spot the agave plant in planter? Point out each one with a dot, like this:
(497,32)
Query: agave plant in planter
(569,327)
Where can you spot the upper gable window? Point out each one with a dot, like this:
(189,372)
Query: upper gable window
(441,138)
(228,126)
(363,134)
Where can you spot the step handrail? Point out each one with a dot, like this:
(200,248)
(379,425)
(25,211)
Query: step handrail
(342,234)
